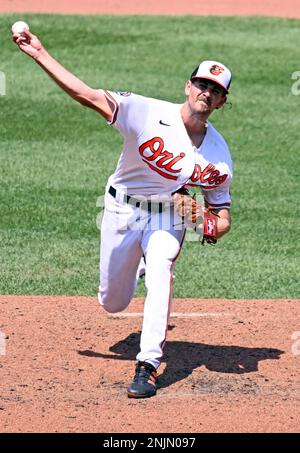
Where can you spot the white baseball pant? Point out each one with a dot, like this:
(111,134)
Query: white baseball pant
(128,232)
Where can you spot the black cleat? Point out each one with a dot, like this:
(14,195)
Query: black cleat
(144,381)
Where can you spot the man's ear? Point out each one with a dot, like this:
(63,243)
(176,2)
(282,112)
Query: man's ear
(187,87)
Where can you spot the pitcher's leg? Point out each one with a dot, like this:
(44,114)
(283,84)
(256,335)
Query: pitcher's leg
(161,249)
(120,254)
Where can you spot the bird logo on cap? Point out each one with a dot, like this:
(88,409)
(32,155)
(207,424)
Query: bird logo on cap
(216,69)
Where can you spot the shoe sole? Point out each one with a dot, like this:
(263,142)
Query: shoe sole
(134,395)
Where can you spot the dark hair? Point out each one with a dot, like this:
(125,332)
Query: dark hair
(194,72)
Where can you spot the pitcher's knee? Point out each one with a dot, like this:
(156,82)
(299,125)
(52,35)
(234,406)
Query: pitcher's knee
(156,274)
(112,304)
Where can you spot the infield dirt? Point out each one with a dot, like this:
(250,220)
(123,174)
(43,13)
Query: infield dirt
(232,364)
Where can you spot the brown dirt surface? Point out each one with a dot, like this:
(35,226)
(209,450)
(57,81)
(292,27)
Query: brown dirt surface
(287,8)
(230,366)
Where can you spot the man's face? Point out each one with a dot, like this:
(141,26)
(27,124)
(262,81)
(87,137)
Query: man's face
(204,96)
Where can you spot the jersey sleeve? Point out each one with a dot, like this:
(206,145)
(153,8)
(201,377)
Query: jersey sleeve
(219,197)
(129,111)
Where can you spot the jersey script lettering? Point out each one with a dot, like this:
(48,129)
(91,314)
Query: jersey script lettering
(163,161)
(209,175)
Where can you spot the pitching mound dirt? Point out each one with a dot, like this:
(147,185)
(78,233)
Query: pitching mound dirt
(230,366)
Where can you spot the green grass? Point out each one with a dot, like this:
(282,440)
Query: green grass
(56,156)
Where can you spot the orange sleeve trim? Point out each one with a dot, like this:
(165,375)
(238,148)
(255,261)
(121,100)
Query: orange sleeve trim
(219,205)
(112,101)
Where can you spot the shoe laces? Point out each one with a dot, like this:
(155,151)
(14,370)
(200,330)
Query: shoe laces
(143,370)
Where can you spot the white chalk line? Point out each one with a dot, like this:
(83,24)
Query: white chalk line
(2,343)
(173,315)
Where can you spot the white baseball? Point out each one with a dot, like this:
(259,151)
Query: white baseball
(19,27)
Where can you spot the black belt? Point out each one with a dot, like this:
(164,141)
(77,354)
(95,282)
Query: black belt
(137,203)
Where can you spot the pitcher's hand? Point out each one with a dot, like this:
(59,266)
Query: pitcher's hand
(28,43)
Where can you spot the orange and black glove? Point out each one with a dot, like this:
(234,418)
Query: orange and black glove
(203,220)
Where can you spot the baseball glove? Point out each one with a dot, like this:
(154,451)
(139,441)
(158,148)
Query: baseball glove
(203,220)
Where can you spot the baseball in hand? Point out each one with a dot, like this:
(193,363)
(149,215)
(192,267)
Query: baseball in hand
(19,27)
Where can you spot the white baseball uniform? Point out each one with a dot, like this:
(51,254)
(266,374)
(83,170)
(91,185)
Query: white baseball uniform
(156,160)
(213,169)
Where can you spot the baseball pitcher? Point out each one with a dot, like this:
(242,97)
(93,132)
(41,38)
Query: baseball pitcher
(167,149)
